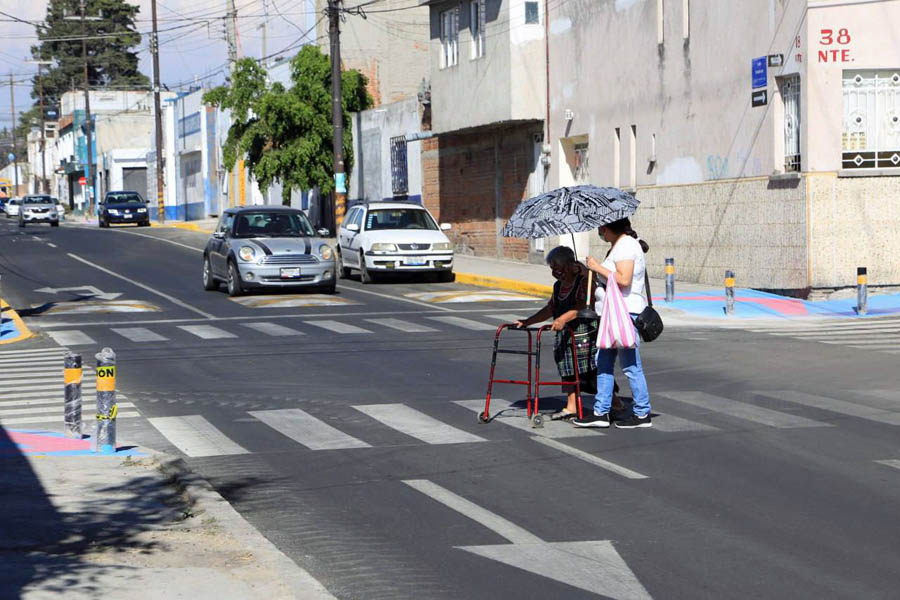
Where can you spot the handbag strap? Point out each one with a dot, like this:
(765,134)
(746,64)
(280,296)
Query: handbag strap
(647,287)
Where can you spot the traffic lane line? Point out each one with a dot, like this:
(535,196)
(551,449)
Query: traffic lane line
(147,288)
(590,458)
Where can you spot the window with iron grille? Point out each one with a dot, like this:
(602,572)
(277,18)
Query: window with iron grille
(532,16)
(871,134)
(450,37)
(476,25)
(581,162)
(790,95)
(399,172)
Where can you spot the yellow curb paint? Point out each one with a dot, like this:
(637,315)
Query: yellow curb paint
(24,332)
(187,226)
(505,284)
(72,376)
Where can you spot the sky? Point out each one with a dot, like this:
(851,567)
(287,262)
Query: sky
(197,52)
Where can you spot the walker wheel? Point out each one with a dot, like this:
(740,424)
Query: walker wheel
(537,422)
(483,418)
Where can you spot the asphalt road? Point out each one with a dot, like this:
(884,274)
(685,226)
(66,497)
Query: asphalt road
(347,434)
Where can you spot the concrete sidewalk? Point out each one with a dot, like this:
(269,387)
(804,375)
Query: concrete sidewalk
(133,525)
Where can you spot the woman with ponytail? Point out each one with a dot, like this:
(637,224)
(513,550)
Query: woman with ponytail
(625,263)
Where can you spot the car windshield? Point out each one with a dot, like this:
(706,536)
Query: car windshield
(272,224)
(399,218)
(37,200)
(124,198)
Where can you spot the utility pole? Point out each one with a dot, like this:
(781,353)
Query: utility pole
(337,116)
(154,48)
(15,150)
(45,184)
(87,108)
(230,32)
(265,26)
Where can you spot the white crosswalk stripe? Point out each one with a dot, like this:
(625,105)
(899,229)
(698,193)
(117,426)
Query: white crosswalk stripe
(33,352)
(207,332)
(465,323)
(125,414)
(879,334)
(742,410)
(502,411)
(195,436)
(401,325)
(140,334)
(37,410)
(71,337)
(337,326)
(417,424)
(272,329)
(885,413)
(307,430)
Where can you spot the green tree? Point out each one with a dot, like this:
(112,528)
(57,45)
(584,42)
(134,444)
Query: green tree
(285,134)
(111,50)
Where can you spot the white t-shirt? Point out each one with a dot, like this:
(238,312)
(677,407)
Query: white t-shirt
(627,248)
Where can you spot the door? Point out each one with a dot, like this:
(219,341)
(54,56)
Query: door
(218,247)
(345,237)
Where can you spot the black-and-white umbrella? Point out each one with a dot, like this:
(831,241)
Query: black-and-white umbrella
(569,210)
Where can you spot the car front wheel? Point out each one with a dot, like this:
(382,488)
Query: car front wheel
(365,275)
(234,281)
(209,282)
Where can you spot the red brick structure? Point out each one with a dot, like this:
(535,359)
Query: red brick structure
(475,181)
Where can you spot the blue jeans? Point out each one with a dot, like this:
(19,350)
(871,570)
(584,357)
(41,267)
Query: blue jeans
(630,360)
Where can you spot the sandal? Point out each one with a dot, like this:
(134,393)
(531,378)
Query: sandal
(563,415)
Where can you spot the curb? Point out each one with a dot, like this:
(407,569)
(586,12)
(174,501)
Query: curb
(510,285)
(187,226)
(211,503)
(18,323)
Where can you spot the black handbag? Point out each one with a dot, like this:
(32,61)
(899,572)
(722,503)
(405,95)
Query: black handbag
(649,324)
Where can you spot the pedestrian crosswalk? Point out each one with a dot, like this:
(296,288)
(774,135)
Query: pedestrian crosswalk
(881,334)
(224,330)
(32,389)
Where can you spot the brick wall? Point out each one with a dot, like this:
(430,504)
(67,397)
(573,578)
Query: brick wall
(468,177)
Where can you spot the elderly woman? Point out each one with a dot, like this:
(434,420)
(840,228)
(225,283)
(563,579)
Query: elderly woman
(570,294)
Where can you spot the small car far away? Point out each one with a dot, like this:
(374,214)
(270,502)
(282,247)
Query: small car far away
(38,209)
(257,247)
(123,207)
(393,237)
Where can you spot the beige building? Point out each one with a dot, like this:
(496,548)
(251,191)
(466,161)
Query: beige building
(785,169)
(389,46)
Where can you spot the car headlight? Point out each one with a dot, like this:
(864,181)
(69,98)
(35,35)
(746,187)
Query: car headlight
(142,210)
(380,247)
(246,253)
(113,211)
(442,246)
(326,252)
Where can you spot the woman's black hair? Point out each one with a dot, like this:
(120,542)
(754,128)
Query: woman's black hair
(561,256)
(624,226)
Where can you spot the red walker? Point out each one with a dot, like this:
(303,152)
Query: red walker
(534,384)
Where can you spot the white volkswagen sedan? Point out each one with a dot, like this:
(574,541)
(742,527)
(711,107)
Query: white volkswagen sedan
(393,237)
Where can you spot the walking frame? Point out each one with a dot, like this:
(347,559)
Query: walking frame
(533,383)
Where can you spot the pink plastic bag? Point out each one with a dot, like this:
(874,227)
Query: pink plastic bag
(616,328)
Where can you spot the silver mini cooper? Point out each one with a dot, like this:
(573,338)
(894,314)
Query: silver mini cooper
(267,247)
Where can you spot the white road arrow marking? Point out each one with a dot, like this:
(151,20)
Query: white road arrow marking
(593,566)
(95,292)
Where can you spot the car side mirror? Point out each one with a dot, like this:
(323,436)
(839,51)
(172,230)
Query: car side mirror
(323,232)
(219,235)
(353,227)
(446,226)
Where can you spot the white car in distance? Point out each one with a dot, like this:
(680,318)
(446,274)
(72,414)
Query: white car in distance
(393,237)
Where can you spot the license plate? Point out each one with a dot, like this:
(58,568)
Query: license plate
(290,273)
(416,262)
(127,215)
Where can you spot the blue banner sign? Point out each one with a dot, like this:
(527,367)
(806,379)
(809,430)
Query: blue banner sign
(760,72)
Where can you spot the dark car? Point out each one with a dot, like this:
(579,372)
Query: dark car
(123,207)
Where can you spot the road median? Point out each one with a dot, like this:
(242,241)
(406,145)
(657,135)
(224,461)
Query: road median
(12,327)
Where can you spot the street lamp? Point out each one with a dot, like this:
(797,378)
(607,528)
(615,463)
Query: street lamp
(40,63)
